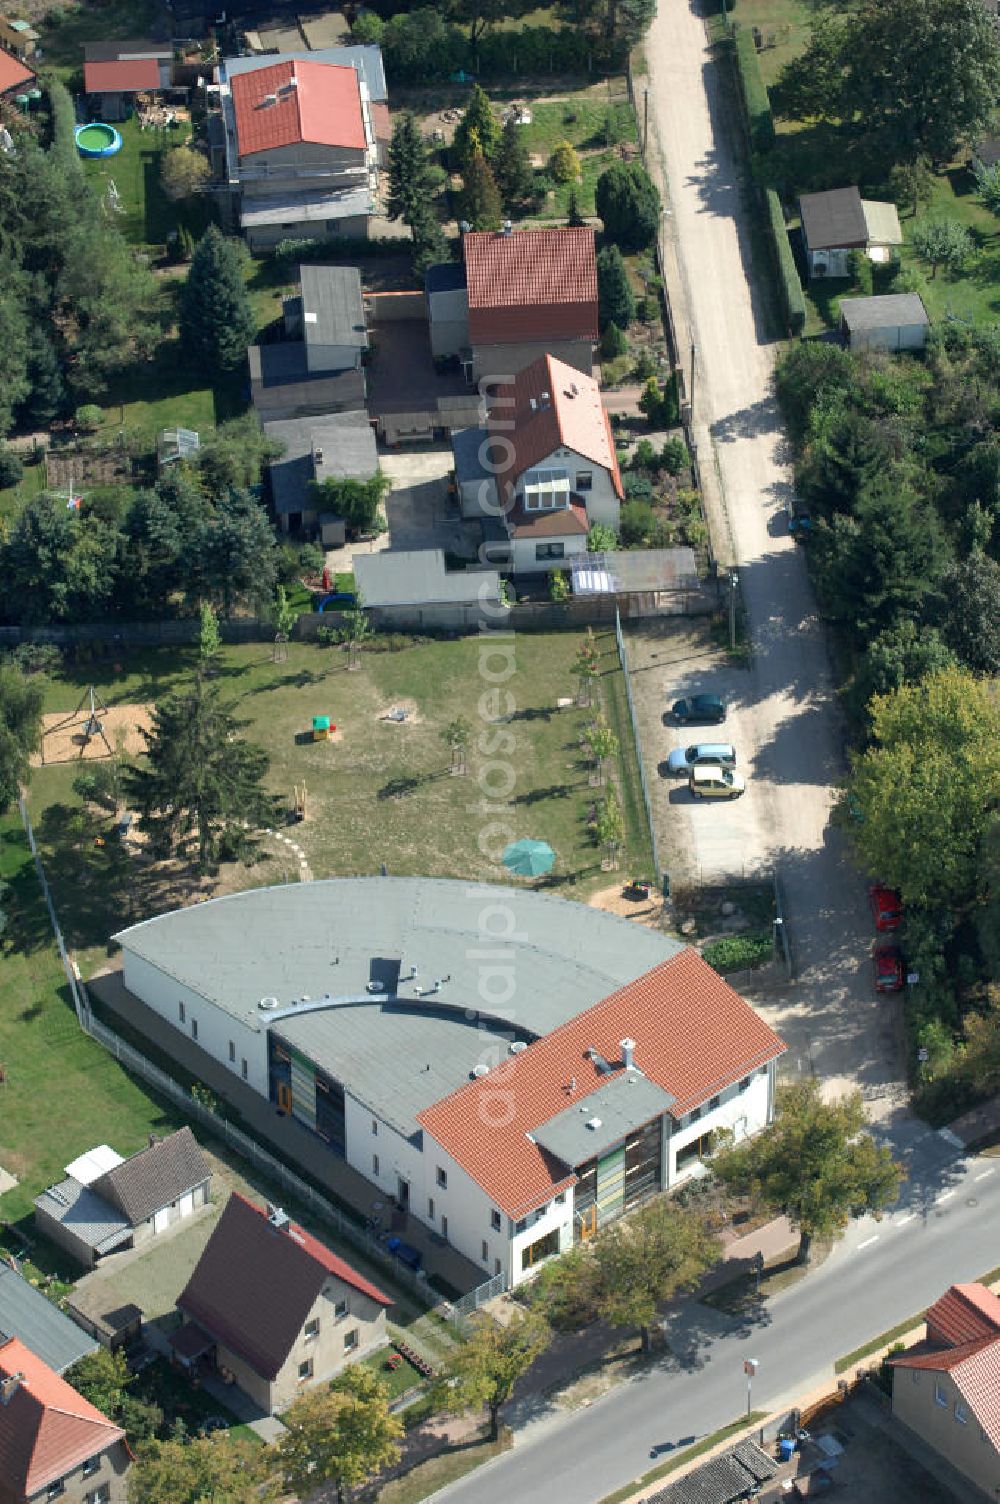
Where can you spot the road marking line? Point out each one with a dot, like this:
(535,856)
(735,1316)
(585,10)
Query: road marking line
(951,1138)
(985,1175)
(868,1242)
(945,1195)
(908,1218)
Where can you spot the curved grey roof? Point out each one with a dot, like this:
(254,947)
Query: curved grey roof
(511,964)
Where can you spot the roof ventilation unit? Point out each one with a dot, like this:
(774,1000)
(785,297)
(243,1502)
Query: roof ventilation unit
(269,99)
(508,227)
(593,1124)
(276,1216)
(627,1047)
(266,1004)
(518,1047)
(376,987)
(480,1070)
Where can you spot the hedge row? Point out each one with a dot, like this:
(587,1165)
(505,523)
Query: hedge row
(420,46)
(739,952)
(755,97)
(788,276)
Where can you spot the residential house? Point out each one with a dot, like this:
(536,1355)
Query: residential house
(53,1443)
(545,465)
(301,153)
(526,294)
(115,72)
(365,58)
(945,1389)
(414,588)
(107,1203)
(18,37)
(340,446)
(317,369)
(28,1315)
(15,77)
(894,321)
(510,1111)
(839,221)
(273,1309)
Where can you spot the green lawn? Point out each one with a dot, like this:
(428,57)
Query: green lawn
(63,1093)
(972,295)
(383,793)
(583,121)
(784,26)
(31,483)
(147,216)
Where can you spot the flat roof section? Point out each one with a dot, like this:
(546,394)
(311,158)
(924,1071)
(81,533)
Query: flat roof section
(332,308)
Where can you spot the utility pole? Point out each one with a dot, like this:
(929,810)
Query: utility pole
(734,581)
(691,392)
(645,123)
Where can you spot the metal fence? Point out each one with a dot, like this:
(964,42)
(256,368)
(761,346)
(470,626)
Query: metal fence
(241,1143)
(623,660)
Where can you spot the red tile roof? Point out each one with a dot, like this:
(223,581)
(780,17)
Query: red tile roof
(255,1284)
(550,406)
(13,74)
(46,1428)
(965,1313)
(694,1036)
(124,77)
(531,285)
(321,103)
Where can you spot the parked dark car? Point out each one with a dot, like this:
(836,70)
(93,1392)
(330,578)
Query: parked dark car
(709,710)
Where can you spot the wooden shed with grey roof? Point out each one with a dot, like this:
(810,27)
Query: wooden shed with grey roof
(895,321)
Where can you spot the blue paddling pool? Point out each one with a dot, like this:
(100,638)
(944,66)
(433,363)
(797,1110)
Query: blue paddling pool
(96,139)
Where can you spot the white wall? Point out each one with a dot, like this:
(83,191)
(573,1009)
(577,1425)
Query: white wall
(397,1156)
(449,321)
(744,1113)
(215,1027)
(523,559)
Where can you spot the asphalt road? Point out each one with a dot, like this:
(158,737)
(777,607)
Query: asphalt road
(943,1230)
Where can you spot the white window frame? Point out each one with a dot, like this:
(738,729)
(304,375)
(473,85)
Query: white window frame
(940,1397)
(311,1329)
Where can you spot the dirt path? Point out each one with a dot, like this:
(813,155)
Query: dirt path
(834,1025)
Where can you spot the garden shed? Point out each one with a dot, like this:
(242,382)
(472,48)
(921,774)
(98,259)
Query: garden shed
(894,321)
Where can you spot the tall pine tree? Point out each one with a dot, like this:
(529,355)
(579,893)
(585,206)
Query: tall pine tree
(201,784)
(477,131)
(512,165)
(216,321)
(481,204)
(408,175)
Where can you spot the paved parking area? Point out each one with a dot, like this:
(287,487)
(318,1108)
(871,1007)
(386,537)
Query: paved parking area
(418,510)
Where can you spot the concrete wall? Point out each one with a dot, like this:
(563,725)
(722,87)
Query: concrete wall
(216,1029)
(497,361)
(449,321)
(353,227)
(894,338)
(303,155)
(926,1402)
(176,1211)
(524,560)
(392,307)
(601,500)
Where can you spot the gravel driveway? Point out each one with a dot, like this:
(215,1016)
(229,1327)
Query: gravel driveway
(834,1023)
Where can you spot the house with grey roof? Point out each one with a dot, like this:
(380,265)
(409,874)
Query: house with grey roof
(36,1321)
(339,446)
(415,588)
(106,1203)
(316,368)
(839,221)
(895,321)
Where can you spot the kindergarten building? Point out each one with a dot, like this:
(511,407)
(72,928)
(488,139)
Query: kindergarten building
(513,1069)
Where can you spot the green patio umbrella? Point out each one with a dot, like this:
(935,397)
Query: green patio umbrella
(529,858)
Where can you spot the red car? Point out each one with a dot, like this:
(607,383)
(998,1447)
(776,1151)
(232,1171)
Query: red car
(886,906)
(889,974)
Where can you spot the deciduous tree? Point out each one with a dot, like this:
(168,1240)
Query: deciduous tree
(485,1368)
(21,701)
(564,164)
(815,1165)
(647,1258)
(342,1434)
(183,173)
(942,242)
(219,1468)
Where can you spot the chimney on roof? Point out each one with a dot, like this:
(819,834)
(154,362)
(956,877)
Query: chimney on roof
(508,227)
(153,1139)
(464,227)
(627,1047)
(9,1386)
(571,1088)
(278,1219)
(268,99)
(544,399)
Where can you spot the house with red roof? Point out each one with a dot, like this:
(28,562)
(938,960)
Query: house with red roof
(544,465)
(509,1071)
(272,1309)
(53,1443)
(115,72)
(519,295)
(15,76)
(302,151)
(947,1388)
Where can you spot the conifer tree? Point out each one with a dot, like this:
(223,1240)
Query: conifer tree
(216,321)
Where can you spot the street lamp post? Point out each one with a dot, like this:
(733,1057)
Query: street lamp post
(750,1366)
(734,581)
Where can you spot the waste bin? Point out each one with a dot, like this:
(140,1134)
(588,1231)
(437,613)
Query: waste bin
(666,884)
(786,1448)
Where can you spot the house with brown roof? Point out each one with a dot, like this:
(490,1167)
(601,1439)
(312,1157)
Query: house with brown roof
(545,465)
(512,1069)
(302,152)
(115,72)
(272,1309)
(15,76)
(839,221)
(53,1443)
(106,1203)
(524,294)
(947,1388)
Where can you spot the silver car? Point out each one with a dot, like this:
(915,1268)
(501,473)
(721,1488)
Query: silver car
(701,755)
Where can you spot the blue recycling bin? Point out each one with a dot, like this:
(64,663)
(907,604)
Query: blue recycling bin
(786,1448)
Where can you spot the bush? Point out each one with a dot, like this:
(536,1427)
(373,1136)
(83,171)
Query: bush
(792,298)
(674,456)
(628,202)
(861,270)
(311,558)
(613,343)
(645,366)
(11,467)
(647,309)
(637,487)
(559,588)
(755,96)
(564,164)
(739,952)
(88,418)
(601,539)
(637,523)
(644,457)
(37,657)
